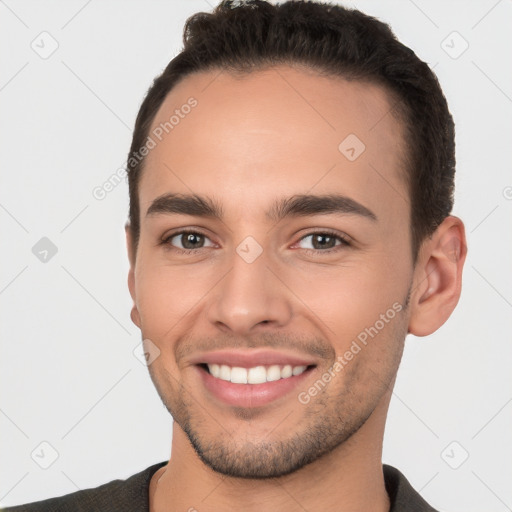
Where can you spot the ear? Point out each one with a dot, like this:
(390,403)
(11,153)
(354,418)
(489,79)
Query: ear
(438,277)
(130,246)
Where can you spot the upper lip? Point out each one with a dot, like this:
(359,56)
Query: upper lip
(251,358)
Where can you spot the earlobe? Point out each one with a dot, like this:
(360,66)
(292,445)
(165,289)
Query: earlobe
(134,314)
(438,277)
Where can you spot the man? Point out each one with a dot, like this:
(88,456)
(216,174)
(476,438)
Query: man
(291,181)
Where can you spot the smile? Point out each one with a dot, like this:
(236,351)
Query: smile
(255,374)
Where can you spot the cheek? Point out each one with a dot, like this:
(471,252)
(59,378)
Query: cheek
(348,300)
(167,294)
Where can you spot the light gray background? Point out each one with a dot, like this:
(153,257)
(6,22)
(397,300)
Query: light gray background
(68,373)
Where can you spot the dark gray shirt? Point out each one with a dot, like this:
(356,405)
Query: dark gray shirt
(132,495)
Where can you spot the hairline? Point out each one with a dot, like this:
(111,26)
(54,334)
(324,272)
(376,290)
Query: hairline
(399,109)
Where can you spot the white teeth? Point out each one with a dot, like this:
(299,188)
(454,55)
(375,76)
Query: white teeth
(286,371)
(297,370)
(254,375)
(215,370)
(273,373)
(257,375)
(225,372)
(239,375)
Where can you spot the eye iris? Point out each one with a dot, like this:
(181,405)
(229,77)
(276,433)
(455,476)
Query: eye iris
(190,240)
(325,241)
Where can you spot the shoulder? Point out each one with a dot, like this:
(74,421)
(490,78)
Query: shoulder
(126,495)
(402,495)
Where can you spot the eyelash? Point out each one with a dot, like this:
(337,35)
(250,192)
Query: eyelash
(166,241)
(344,239)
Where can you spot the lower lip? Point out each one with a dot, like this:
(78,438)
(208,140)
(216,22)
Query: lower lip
(250,395)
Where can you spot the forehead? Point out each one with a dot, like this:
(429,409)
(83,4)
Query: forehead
(281,130)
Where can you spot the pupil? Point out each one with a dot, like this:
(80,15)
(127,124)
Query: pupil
(325,239)
(190,240)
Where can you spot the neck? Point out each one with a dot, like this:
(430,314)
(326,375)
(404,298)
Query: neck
(350,478)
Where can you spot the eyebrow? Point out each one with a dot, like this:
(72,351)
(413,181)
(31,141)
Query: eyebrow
(300,205)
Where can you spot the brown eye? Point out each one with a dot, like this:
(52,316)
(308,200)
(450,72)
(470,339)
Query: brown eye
(188,241)
(322,242)
(191,240)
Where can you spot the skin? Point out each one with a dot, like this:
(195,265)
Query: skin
(249,141)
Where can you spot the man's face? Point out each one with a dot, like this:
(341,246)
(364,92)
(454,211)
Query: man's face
(316,293)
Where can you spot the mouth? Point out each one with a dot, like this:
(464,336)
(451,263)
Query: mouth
(252,379)
(255,374)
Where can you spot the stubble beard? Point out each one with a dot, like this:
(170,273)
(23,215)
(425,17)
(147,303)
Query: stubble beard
(317,429)
(324,424)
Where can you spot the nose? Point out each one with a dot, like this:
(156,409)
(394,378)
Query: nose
(249,297)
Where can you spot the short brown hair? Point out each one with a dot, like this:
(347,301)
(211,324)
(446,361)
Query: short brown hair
(247,36)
